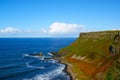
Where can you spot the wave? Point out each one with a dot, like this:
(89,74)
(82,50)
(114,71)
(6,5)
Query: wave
(30,66)
(50,54)
(53,61)
(49,75)
(25,54)
(39,57)
(30,55)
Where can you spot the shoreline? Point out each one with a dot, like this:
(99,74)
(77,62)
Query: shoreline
(67,68)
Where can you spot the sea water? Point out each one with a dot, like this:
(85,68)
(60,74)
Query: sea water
(17,64)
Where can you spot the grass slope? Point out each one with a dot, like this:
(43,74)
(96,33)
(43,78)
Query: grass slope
(94,47)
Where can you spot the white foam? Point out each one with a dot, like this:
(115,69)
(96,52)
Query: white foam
(25,54)
(50,54)
(54,61)
(50,75)
(32,56)
(30,66)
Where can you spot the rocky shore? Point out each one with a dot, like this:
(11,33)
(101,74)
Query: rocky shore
(68,67)
(56,56)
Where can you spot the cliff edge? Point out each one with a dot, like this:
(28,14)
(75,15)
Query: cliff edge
(92,55)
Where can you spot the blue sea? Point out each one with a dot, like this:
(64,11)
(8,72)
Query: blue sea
(17,64)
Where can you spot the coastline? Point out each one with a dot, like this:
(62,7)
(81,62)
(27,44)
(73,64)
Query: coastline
(68,66)
(67,69)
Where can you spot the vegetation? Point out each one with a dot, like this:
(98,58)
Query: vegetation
(94,47)
(113,72)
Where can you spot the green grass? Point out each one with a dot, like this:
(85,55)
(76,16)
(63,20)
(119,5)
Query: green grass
(92,48)
(95,47)
(113,72)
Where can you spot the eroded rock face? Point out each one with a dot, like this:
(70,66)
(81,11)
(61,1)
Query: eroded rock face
(101,35)
(115,47)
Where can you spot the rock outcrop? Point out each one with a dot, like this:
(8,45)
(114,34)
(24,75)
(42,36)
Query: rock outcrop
(115,47)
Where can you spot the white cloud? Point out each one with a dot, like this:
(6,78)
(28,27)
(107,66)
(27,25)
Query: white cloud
(115,29)
(56,29)
(9,30)
(63,28)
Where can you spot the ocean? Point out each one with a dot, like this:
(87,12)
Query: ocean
(17,64)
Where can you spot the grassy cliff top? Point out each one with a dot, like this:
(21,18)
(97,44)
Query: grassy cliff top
(92,44)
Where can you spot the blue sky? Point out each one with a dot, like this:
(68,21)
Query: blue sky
(57,18)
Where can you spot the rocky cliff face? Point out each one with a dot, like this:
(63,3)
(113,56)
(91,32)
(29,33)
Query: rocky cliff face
(115,46)
(101,35)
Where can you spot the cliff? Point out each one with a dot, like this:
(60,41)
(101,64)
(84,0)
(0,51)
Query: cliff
(92,54)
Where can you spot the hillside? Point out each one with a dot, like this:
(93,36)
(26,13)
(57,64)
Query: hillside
(90,57)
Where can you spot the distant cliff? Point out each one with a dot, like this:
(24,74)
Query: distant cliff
(112,36)
(103,34)
(92,50)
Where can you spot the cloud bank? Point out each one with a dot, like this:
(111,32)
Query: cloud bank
(56,29)
(9,30)
(62,28)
